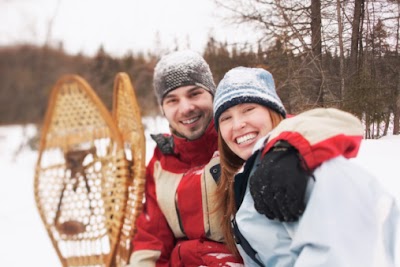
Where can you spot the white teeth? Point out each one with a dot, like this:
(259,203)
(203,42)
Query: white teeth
(245,138)
(190,120)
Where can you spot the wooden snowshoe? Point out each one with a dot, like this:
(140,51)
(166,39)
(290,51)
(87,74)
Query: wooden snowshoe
(126,114)
(82,176)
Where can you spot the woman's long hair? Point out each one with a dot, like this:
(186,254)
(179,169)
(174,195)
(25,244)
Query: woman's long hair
(225,194)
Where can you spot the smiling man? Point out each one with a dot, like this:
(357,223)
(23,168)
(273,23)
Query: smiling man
(179,225)
(188,111)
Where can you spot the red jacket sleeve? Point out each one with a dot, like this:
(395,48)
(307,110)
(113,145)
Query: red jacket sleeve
(319,135)
(153,233)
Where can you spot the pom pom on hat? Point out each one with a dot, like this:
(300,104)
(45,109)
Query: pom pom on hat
(246,85)
(181,68)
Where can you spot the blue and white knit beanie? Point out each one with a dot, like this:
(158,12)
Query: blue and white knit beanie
(181,68)
(246,85)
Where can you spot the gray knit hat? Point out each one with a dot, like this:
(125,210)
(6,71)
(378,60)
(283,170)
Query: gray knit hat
(181,68)
(246,85)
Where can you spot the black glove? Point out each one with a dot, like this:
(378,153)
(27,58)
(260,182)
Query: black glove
(278,185)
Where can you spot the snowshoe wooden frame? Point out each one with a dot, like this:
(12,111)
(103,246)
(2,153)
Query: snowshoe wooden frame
(82,176)
(126,114)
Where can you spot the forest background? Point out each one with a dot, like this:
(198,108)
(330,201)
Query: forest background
(322,53)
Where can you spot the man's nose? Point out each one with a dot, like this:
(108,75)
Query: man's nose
(186,106)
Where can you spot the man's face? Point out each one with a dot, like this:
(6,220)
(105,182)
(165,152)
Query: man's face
(189,110)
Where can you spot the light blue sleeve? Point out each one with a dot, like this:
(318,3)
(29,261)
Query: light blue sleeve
(349,220)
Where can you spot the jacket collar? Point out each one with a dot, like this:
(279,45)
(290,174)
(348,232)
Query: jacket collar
(199,151)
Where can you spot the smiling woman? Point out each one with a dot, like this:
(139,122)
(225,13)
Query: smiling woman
(246,108)
(242,125)
(280,201)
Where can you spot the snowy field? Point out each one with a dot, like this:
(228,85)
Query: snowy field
(23,238)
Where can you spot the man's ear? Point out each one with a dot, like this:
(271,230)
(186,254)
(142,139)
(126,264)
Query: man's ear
(162,110)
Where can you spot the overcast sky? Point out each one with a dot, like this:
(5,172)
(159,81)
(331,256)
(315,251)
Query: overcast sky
(118,25)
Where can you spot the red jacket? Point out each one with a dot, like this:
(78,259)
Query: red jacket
(320,134)
(177,227)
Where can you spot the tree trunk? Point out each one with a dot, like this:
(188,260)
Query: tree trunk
(396,110)
(355,34)
(316,43)
(316,28)
(386,123)
(341,53)
(396,119)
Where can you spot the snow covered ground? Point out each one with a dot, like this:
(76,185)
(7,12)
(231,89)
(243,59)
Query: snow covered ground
(23,239)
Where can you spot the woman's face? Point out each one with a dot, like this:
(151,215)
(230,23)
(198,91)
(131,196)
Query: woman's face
(243,125)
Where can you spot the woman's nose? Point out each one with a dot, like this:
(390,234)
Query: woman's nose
(238,124)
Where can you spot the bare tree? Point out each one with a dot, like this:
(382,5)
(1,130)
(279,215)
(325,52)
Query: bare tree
(356,34)
(396,117)
(316,47)
(298,25)
(341,50)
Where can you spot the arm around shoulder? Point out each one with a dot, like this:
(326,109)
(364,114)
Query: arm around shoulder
(320,134)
